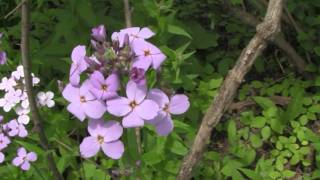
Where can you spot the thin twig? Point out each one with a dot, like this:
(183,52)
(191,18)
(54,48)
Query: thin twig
(265,32)
(127,16)
(26,62)
(14,10)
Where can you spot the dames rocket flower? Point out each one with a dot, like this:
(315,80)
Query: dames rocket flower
(105,136)
(104,88)
(82,102)
(4,141)
(45,99)
(147,55)
(134,33)
(135,108)
(178,104)
(99,33)
(24,158)
(78,65)
(3,57)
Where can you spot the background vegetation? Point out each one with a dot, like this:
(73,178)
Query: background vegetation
(276,136)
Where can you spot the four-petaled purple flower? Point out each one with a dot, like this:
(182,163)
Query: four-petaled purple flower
(177,104)
(23,159)
(78,65)
(99,33)
(4,141)
(146,55)
(15,129)
(3,57)
(135,108)
(134,33)
(137,75)
(82,102)
(104,88)
(105,136)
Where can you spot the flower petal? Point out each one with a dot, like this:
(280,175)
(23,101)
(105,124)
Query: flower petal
(135,92)
(78,53)
(165,126)
(132,120)
(113,149)
(159,97)
(77,111)
(94,109)
(89,147)
(17,161)
(179,104)
(145,33)
(31,156)
(25,166)
(22,152)
(157,60)
(113,131)
(1,157)
(71,93)
(147,110)
(119,106)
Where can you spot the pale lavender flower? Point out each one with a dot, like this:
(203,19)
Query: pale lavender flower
(138,76)
(1,157)
(3,57)
(99,33)
(104,88)
(16,129)
(4,141)
(7,84)
(105,136)
(134,33)
(135,108)
(24,158)
(78,65)
(146,55)
(177,104)
(46,99)
(82,102)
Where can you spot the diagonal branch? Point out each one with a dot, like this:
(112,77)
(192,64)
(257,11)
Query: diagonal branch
(279,40)
(26,62)
(265,32)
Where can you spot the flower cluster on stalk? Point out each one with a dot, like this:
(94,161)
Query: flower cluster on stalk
(112,79)
(15,100)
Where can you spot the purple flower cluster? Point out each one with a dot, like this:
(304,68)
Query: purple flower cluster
(15,98)
(124,59)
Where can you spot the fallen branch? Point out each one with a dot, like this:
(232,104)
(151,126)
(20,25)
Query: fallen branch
(26,62)
(242,105)
(294,58)
(265,32)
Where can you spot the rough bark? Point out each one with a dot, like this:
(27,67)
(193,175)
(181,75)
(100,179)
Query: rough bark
(294,58)
(26,62)
(265,32)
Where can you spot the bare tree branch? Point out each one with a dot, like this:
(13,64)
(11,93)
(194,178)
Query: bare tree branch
(26,62)
(294,58)
(265,32)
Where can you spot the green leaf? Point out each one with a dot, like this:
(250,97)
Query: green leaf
(288,174)
(152,157)
(264,102)
(173,29)
(266,132)
(178,148)
(258,122)
(250,173)
(255,140)
(232,132)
